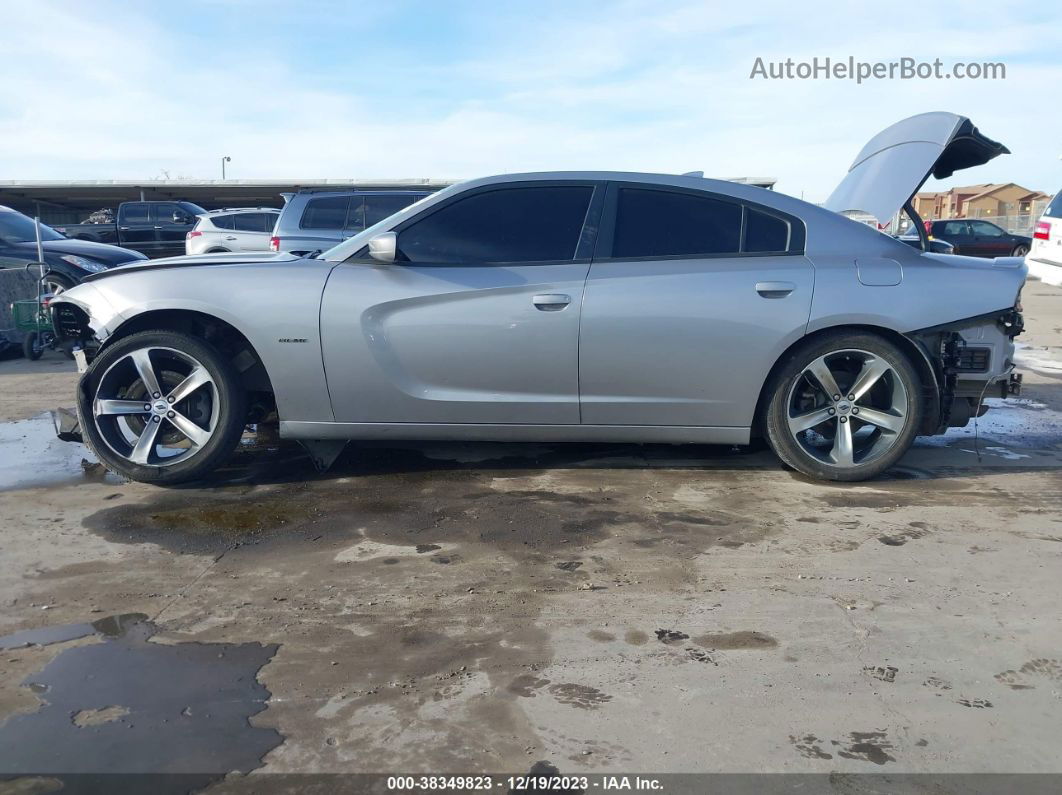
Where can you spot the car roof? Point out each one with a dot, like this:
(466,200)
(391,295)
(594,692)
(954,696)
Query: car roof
(209,213)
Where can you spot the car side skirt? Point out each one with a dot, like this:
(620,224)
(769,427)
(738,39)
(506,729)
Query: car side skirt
(476,432)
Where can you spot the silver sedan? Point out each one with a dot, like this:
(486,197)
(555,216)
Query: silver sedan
(565,307)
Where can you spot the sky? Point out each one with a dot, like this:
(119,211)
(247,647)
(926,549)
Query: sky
(454,88)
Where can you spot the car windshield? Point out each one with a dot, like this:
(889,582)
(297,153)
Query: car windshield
(17,228)
(344,250)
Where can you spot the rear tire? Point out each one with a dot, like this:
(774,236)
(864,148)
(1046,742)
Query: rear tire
(161,407)
(860,430)
(1020,251)
(30,349)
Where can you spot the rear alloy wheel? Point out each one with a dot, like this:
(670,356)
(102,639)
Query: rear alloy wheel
(1020,251)
(845,407)
(161,407)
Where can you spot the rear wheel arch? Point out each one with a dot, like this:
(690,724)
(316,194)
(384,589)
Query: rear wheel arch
(919,357)
(229,340)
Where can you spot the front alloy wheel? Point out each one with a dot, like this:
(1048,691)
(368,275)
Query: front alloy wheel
(161,407)
(845,408)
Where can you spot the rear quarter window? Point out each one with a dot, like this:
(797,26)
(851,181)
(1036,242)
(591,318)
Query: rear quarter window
(1054,209)
(221,221)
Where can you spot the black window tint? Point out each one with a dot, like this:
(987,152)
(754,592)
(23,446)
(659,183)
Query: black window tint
(954,229)
(164,212)
(1054,209)
(531,224)
(135,213)
(986,229)
(325,213)
(765,232)
(250,222)
(355,215)
(655,223)
(222,221)
(380,206)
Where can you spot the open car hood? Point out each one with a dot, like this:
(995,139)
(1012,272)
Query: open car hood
(897,161)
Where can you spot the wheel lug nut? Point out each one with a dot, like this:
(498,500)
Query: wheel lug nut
(156,418)
(831,412)
(157,394)
(170,398)
(171,415)
(851,397)
(836,397)
(844,419)
(147,407)
(855,410)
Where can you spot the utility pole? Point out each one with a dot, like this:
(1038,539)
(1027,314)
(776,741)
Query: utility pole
(224,160)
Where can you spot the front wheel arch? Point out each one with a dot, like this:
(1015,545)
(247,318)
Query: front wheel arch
(219,333)
(918,356)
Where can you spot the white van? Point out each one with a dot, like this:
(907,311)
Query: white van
(1047,236)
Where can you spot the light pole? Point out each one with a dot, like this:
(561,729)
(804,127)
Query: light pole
(224,160)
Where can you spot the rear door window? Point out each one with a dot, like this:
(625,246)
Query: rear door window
(328,212)
(518,224)
(985,229)
(954,229)
(661,223)
(379,206)
(222,221)
(136,213)
(1054,209)
(253,222)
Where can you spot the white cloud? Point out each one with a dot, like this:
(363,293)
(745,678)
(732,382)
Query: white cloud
(110,93)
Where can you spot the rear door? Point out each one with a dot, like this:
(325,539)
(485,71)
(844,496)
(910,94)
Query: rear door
(251,231)
(478,321)
(691,298)
(136,228)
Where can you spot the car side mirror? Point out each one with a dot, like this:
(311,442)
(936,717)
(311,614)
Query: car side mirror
(182,218)
(384,247)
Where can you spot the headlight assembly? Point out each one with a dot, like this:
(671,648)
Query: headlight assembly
(84,264)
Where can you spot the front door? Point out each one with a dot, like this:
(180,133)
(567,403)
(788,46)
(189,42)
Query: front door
(477,321)
(171,233)
(990,240)
(687,311)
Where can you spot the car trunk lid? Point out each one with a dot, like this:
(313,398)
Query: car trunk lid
(896,162)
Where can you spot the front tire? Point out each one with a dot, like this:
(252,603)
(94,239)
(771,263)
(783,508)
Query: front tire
(1020,251)
(161,407)
(845,406)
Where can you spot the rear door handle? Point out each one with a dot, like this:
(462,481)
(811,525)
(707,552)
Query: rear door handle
(553,302)
(775,289)
(230,237)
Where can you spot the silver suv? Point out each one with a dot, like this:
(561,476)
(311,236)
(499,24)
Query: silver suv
(317,220)
(232,229)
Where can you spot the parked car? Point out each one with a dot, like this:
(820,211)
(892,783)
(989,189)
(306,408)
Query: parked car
(315,220)
(233,229)
(936,245)
(973,237)
(567,306)
(1047,237)
(156,229)
(67,261)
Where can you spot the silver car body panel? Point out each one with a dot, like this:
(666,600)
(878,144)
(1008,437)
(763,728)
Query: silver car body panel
(895,163)
(672,349)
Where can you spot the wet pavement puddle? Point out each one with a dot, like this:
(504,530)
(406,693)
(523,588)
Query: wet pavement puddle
(127,707)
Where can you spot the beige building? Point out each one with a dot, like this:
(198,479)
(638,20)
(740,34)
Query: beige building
(992,199)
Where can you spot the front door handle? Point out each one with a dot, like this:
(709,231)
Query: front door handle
(775,289)
(553,302)
(231,237)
